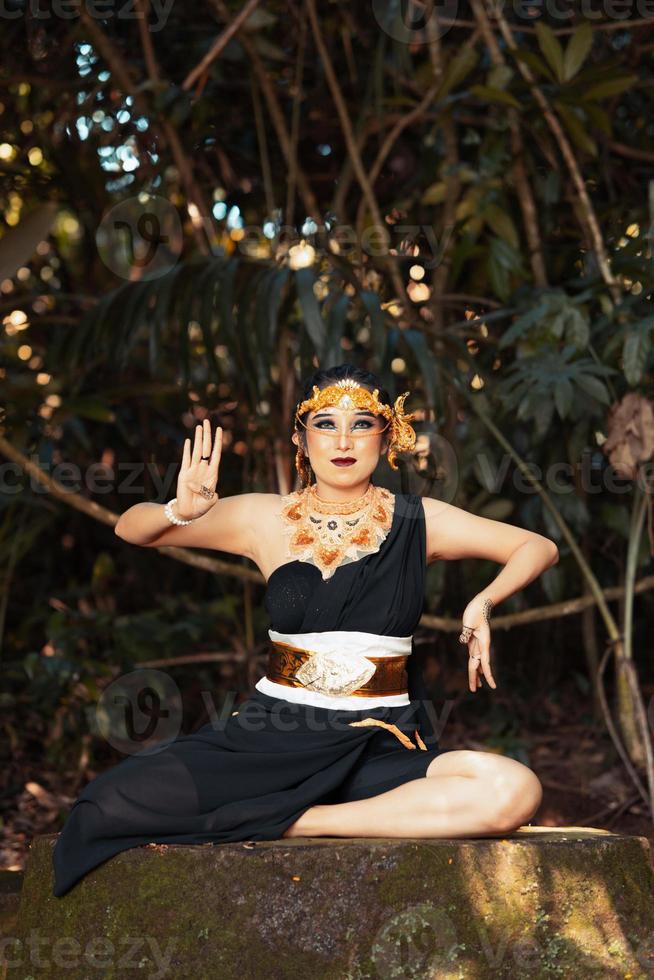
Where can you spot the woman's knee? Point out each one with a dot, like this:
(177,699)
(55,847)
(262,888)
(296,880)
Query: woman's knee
(518,799)
(509,793)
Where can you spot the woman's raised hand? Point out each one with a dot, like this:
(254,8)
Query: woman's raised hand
(196,472)
(476,633)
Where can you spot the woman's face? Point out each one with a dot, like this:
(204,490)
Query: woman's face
(333,433)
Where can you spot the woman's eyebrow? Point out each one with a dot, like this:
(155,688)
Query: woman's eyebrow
(321,415)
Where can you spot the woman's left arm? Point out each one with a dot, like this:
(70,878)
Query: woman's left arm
(454,533)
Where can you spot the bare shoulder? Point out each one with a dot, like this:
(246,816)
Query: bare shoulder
(245,523)
(454,533)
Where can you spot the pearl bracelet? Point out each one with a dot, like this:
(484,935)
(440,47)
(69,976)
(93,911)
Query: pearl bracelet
(168,511)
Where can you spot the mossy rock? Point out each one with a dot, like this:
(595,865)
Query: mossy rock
(538,903)
(10,885)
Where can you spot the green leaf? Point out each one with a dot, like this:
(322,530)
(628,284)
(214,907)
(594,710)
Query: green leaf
(543,413)
(550,187)
(136,314)
(435,193)
(499,76)
(594,387)
(498,269)
(502,224)
(488,94)
(521,325)
(262,326)
(181,314)
(425,360)
(313,321)
(577,329)
(525,408)
(612,86)
(536,64)
(336,330)
(576,129)
(88,408)
(457,69)
(165,292)
(206,286)
(259,19)
(646,323)
(377,316)
(599,118)
(551,48)
(635,353)
(247,295)
(557,323)
(578,50)
(563,396)
(268,49)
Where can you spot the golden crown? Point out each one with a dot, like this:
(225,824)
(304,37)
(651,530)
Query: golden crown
(349,394)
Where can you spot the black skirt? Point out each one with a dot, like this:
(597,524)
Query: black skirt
(249,779)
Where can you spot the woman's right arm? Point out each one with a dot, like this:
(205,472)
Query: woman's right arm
(226,524)
(230,525)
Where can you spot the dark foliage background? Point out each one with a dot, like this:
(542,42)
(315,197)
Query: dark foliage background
(201,205)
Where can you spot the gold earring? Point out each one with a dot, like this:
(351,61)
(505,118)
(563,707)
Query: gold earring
(303,466)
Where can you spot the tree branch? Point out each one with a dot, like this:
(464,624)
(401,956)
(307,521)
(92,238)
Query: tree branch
(353,151)
(523,187)
(585,203)
(122,74)
(214,565)
(276,114)
(216,48)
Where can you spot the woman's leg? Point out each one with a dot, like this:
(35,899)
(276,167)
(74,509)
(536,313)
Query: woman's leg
(465,793)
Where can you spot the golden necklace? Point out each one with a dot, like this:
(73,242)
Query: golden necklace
(330,533)
(323,506)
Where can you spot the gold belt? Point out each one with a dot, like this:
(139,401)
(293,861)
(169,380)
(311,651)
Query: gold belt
(329,673)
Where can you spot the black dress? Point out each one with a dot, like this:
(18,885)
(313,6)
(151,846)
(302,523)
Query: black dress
(254,776)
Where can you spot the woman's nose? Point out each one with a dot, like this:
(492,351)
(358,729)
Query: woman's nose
(344,440)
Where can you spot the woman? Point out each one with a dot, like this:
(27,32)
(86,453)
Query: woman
(337,739)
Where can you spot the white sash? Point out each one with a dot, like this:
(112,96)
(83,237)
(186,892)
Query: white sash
(340,643)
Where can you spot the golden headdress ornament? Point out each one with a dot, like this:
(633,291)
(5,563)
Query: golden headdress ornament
(348,394)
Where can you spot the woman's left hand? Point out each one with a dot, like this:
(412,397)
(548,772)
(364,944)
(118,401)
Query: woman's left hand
(476,634)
